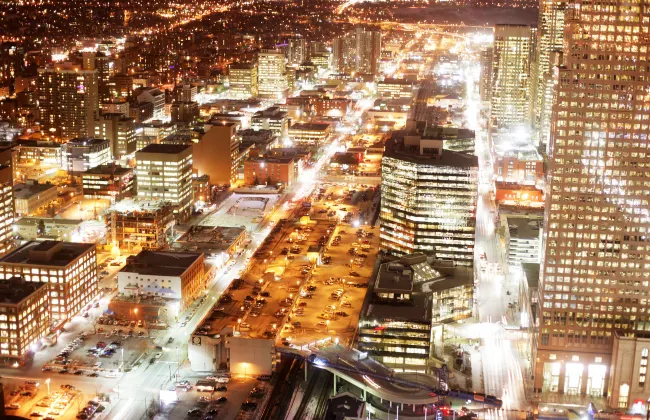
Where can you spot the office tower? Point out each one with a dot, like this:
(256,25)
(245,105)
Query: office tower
(368,51)
(164,172)
(428,200)
(341,57)
(121,85)
(119,130)
(23,305)
(594,282)
(296,51)
(485,84)
(272,81)
(68,268)
(81,154)
(243,80)
(6,206)
(105,67)
(217,153)
(550,35)
(510,74)
(68,100)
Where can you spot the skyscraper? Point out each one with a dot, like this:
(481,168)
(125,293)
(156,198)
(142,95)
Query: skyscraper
(297,51)
(428,200)
(243,80)
(68,100)
(550,34)
(272,81)
(594,284)
(368,49)
(510,73)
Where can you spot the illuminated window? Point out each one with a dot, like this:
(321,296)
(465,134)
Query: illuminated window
(643,369)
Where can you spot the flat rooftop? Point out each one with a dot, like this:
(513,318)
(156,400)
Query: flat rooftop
(396,149)
(16,289)
(47,253)
(163,263)
(85,142)
(108,170)
(418,311)
(219,237)
(395,277)
(170,149)
(310,126)
(32,221)
(129,205)
(25,191)
(522,227)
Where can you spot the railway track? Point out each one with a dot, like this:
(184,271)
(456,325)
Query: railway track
(314,399)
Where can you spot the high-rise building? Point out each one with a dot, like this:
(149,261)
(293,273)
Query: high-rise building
(68,100)
(368,48)
(217,154)
(550,35)
(272,80)
(510,76)
(6,207)
(164,172)
(119,130)
(296,51)
(485,84)
(243,80)
(81,154)
(68,268)
(596,259)
(428,200)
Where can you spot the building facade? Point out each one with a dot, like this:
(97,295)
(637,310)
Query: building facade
(217,154)
(81,154)
(428,200)
(595,271)
(111,182)
(68,268)
(119,130)
(164,172)
(272,79)
(243,80)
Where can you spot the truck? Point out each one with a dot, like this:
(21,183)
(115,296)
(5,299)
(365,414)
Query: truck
(205,386)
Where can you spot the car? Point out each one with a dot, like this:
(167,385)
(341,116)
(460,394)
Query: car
(212,412)
(221,400)
(46,369)
(171,340)
(77,372)
(158,355)
(183,324)
(195,412)
(93,375)
(13,406)
(221,388)
(82,416)
(67,386)
(36,414)
(63,371)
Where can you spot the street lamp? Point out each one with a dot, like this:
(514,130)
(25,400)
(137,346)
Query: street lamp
(47,381)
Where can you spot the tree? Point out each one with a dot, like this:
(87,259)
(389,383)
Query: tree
(94,320)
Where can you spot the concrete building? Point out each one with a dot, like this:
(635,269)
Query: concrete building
(410,298)
(270,170)
(215,241)
(217,154)
(594,275)
(164,172)
(310,134)
(428,200)
(177,276)
(510,100)
(24,317)
(272,119)
(32,196)
(29,228)
(68,100)
(485,84)
(153,96)
(522,237)
(120,131)
(68,268)
(40,154)
(81,154)
(141,224)
(115,106)
(7,206)
(271,76)
(111,182)
(395,88)
(243,80)
(261,140)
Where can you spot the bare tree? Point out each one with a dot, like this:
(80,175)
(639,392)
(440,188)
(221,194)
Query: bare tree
(94,321)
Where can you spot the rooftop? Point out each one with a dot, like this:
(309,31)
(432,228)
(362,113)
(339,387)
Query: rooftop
(25,191)
(524,227)
(310,126)
(31,221)
(531,271)
(108,170)
(16,289)
(344,405)
(396,149)
(163,263)
(165,148)
(129,205)
(38,143)
(47,253)
(85,142)
(220,237)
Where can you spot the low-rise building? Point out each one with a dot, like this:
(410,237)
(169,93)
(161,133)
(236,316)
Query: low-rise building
(177,276)
(326,107)
(201,188)
(215,241)
(32,196)
(68,268)
(81,154)
(110,181)
(522,237)
(409,297)
(310,134)
(261,140)
(514,194)
(43,154)
(395,88)
(24,317)
(31,228)
(120,131)
(270,170)
(141,224)
(272,119)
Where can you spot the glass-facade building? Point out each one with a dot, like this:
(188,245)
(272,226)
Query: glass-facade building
(428,201)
